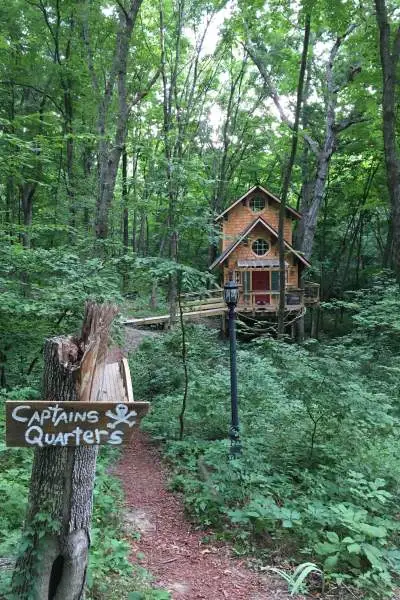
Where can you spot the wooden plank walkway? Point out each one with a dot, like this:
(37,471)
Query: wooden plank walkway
(158,319)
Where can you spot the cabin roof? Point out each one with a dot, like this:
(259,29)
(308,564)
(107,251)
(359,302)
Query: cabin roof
(245,232)
(291,210)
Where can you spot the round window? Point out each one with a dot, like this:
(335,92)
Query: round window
(257,203)
(260,247)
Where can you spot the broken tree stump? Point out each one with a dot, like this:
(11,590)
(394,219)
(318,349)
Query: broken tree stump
(53,561)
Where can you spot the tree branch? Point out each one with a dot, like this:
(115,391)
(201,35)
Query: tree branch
(268,84)
(36,89)
(123,10)
(313,144)
(352,119)
(140,95)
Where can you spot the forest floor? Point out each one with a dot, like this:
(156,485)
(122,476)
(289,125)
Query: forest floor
(169,546)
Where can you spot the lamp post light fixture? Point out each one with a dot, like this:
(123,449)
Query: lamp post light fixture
(231,295)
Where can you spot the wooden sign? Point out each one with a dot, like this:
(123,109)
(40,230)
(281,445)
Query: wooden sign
(40,424)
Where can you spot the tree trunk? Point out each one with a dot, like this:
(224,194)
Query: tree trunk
(125,214)
(389,61)
(300,334)
(109,154)
(54,562)
(27,191)
(173,283)
(287,178)
(307,226)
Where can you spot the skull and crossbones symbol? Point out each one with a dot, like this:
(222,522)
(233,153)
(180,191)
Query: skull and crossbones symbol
(121,415)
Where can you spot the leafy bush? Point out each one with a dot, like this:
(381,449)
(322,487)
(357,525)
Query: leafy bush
(321,463)
(42,293)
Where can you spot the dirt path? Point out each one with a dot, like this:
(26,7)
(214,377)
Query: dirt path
(172,548)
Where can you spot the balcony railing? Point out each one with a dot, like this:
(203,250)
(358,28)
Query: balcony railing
(269,300)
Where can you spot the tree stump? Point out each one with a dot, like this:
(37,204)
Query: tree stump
(53,560)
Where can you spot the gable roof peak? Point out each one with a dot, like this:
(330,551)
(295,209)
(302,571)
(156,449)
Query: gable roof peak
(294,213)
(257,221)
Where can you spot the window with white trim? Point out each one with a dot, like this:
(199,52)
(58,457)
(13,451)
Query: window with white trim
(260,247)
(238,277)
(257,203)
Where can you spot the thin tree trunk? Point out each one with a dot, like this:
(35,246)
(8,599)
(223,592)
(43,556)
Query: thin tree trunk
(184,364)
(54,562)
(27,192)
(134,232)
(125,214)
(390,53)
(287,177)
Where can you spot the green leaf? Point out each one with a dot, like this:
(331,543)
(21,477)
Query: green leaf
(354,548)
(374,555)
(332,537)
(372,530)
(326,548)
(348,540)
(331,562)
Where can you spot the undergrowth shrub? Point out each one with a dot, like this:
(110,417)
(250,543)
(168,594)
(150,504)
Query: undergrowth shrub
(321,463)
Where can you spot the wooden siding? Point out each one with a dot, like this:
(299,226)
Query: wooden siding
(241,216)
(236,221)
(244,252)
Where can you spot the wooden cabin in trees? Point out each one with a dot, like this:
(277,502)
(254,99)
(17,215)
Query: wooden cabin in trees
(250,253)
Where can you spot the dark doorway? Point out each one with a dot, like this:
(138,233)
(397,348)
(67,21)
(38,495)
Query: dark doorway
(261,283)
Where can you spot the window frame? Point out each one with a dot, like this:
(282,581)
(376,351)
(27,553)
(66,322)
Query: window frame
(259,240)
(237,277)
(253,200)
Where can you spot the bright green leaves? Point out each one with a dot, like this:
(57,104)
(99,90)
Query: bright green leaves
(337,507)
(42,293)
(263,514)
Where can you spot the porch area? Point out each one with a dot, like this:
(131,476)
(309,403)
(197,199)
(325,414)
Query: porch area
(257,301)
(259,291)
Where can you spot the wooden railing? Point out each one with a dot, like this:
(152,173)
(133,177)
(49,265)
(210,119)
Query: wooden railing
(208,299)
(269,299)
(254,299)
(126,379)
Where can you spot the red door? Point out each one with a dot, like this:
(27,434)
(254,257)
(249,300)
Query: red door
(260,282)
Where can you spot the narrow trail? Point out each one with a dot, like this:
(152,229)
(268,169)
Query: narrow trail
(173,549)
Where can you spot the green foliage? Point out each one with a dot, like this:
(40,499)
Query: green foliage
(320,466)
(47,288)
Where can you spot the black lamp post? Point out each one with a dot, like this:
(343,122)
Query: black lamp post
(231,294)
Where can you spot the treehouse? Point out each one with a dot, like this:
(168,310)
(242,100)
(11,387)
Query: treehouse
(250,255)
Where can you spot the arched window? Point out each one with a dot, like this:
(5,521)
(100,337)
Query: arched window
(260,247)
(257,203)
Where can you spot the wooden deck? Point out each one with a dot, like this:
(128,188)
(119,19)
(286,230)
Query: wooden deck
(211,303)
(159,319)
